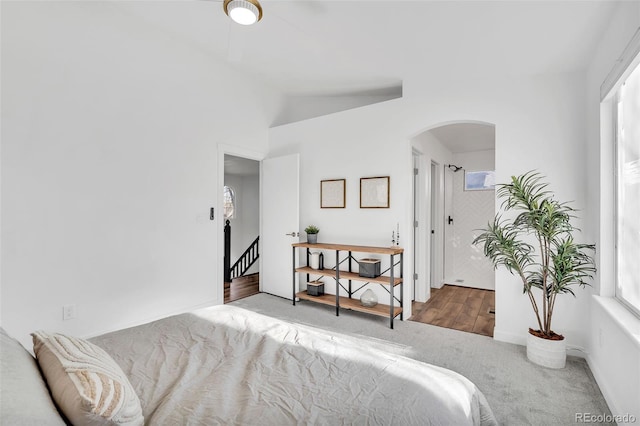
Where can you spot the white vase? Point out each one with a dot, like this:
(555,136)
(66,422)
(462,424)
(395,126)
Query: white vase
(368,298)
(545,352)
(314,260)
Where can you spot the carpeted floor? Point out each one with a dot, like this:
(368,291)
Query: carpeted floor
(519,392)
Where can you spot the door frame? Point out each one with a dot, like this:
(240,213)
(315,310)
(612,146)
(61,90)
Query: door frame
(225,149)
(436,219)
(420,186)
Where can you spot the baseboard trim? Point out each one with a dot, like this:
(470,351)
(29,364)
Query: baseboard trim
(604,386)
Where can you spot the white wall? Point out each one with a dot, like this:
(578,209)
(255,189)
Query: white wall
(350,154)
(110,165)
(614,342)
(539,124)
(465,263)
(245,227)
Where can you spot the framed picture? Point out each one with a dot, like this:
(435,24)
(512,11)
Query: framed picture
(332,194)
(480,181)
(374,192)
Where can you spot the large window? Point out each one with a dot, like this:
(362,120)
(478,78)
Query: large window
(628,191)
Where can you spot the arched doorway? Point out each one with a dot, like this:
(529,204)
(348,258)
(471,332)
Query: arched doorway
(452,202)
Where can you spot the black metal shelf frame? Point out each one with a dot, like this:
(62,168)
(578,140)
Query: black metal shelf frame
(349,290)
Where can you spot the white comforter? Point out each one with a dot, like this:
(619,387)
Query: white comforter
(226,365)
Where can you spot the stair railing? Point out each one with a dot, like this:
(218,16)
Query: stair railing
(246,260)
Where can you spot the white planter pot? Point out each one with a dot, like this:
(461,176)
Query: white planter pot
(545,352)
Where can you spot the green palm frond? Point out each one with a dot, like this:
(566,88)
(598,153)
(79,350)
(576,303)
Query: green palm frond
(525,192)
(571,264)
(501,244)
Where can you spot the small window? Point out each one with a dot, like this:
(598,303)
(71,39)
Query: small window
(229,202)
(479,181)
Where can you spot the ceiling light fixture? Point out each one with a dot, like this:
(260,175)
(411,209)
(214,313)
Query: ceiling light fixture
(244,12)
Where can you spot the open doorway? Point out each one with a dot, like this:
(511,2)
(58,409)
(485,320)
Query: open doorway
(241,215)
(461,279)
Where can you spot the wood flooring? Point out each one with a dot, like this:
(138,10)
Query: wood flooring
(459,308)
(242,287)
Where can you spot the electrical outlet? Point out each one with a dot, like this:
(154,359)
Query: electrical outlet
(68,312)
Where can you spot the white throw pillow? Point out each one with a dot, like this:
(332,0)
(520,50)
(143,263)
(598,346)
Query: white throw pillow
(86,383)
(24,396)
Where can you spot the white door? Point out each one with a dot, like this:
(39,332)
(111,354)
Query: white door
(416,230)
(280,227)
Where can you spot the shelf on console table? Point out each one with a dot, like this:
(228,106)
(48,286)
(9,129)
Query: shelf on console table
(349,303)
(352,304)
(382,279)
(347,247)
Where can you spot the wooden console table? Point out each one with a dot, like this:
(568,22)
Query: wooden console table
(389,282)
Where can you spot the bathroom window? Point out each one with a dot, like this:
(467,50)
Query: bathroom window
(480,181)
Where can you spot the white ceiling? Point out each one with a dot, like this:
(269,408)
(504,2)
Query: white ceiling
(465,137)
(239,166)
(340,47)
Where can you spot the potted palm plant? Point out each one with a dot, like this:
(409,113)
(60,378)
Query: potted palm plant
(312,234)
(537,245)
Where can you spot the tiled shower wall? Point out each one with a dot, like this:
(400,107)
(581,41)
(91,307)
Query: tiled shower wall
(465,264)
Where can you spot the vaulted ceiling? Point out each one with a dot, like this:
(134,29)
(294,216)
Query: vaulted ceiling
(331,48)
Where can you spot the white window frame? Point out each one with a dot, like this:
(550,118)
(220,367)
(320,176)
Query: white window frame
(635,65)
(609,93)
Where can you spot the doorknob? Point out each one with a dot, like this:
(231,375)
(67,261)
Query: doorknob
(293,234)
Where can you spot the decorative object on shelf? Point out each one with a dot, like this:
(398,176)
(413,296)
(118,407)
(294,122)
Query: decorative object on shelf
(321,261)
(369,268)
(333,194)
(368,298)
(393,238)
(314,260)
(552,266)
(312,234)
(315,288)
(398,234)
(374,192)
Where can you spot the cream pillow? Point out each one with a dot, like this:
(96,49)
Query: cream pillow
(86,383)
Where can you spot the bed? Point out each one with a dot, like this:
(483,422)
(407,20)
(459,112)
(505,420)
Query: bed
(228,365)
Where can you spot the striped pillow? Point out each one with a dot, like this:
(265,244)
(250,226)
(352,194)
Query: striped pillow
(85,382)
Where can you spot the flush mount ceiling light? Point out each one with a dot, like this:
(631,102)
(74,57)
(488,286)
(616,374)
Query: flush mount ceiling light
(244,12)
